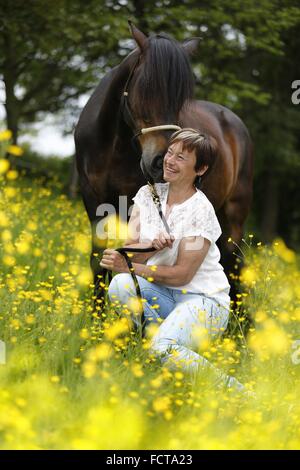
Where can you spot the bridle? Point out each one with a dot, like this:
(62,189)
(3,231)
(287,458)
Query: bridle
(127,115)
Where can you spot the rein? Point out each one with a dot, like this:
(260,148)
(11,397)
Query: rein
(125,250)
(130,121)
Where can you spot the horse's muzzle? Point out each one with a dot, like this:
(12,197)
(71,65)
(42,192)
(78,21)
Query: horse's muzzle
(155,171)
(157,163)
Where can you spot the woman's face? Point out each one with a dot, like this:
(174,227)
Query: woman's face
(179,165)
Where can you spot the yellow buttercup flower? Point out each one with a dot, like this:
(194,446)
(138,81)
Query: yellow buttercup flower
(10,192)
(285,253)
(82,243)
(117,328)
(60,258)
(84,334)
(9,260)
(85,277)
(55,379)
(4,166)
(137,370)
(5,135)
(161,404)
(89,369)
(271,339)
(114,228)
(248,276)
(6,235)
(12,174)
(4,220)
(22,247)
(15,150)
(135,305)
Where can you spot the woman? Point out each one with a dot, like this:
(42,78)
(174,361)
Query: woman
(183,283)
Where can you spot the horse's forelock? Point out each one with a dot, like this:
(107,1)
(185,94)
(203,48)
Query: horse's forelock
(165,80)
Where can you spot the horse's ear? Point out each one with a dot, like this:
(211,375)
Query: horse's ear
(191,45)
(139,37)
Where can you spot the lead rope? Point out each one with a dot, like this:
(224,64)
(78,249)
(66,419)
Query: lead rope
(123,251)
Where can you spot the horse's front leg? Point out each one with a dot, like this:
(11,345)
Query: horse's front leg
(232,218)
(228,243)
(99,243)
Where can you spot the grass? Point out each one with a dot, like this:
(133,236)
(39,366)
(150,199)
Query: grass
(79,379)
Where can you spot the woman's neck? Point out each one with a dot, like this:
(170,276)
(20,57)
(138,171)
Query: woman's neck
(177,195)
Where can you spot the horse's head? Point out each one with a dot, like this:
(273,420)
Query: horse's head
(160,86)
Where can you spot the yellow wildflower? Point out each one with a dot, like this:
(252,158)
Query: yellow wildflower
(5,135)
(117,328)
(15,150)
(60,258)
(12,174)
(283,251)
(248,276)
(55,379)
(4,166)
(161,404)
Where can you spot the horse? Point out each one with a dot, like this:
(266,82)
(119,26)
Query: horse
(123,131)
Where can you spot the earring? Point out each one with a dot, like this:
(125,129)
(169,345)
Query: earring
(198,181)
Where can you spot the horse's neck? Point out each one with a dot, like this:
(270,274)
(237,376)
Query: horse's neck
(109,112)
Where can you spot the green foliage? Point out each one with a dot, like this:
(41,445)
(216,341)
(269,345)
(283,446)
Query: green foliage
(54,168)
(246,60)
(53,54)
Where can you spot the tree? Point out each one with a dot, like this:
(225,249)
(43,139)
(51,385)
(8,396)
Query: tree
(53,52)
(247,60)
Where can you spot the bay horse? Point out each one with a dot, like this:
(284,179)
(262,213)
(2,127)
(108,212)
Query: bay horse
(153,86)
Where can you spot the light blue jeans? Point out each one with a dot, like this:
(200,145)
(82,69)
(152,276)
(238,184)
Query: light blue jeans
(185,320)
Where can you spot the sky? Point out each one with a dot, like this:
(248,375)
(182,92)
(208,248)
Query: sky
(47,138)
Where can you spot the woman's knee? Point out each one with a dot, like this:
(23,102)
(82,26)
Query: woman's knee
(204,311)
(161,342)
(119,286)
(160,346)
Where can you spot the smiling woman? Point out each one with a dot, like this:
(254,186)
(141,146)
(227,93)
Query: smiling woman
(189,154)
(182,283)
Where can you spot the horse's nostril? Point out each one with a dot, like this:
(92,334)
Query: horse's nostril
(157,162)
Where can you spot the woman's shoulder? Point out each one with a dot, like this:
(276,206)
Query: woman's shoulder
(203,199)
(203,219)
(144,195)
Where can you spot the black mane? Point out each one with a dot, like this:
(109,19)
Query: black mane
(166,80)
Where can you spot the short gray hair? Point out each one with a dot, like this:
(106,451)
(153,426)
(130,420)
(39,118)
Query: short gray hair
(204,145)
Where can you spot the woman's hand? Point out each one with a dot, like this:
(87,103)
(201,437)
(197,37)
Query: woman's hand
(114,261)
(162,241)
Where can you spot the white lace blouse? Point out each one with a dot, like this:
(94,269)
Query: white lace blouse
(194,217)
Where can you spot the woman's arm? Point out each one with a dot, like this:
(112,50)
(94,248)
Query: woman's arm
(191,253)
